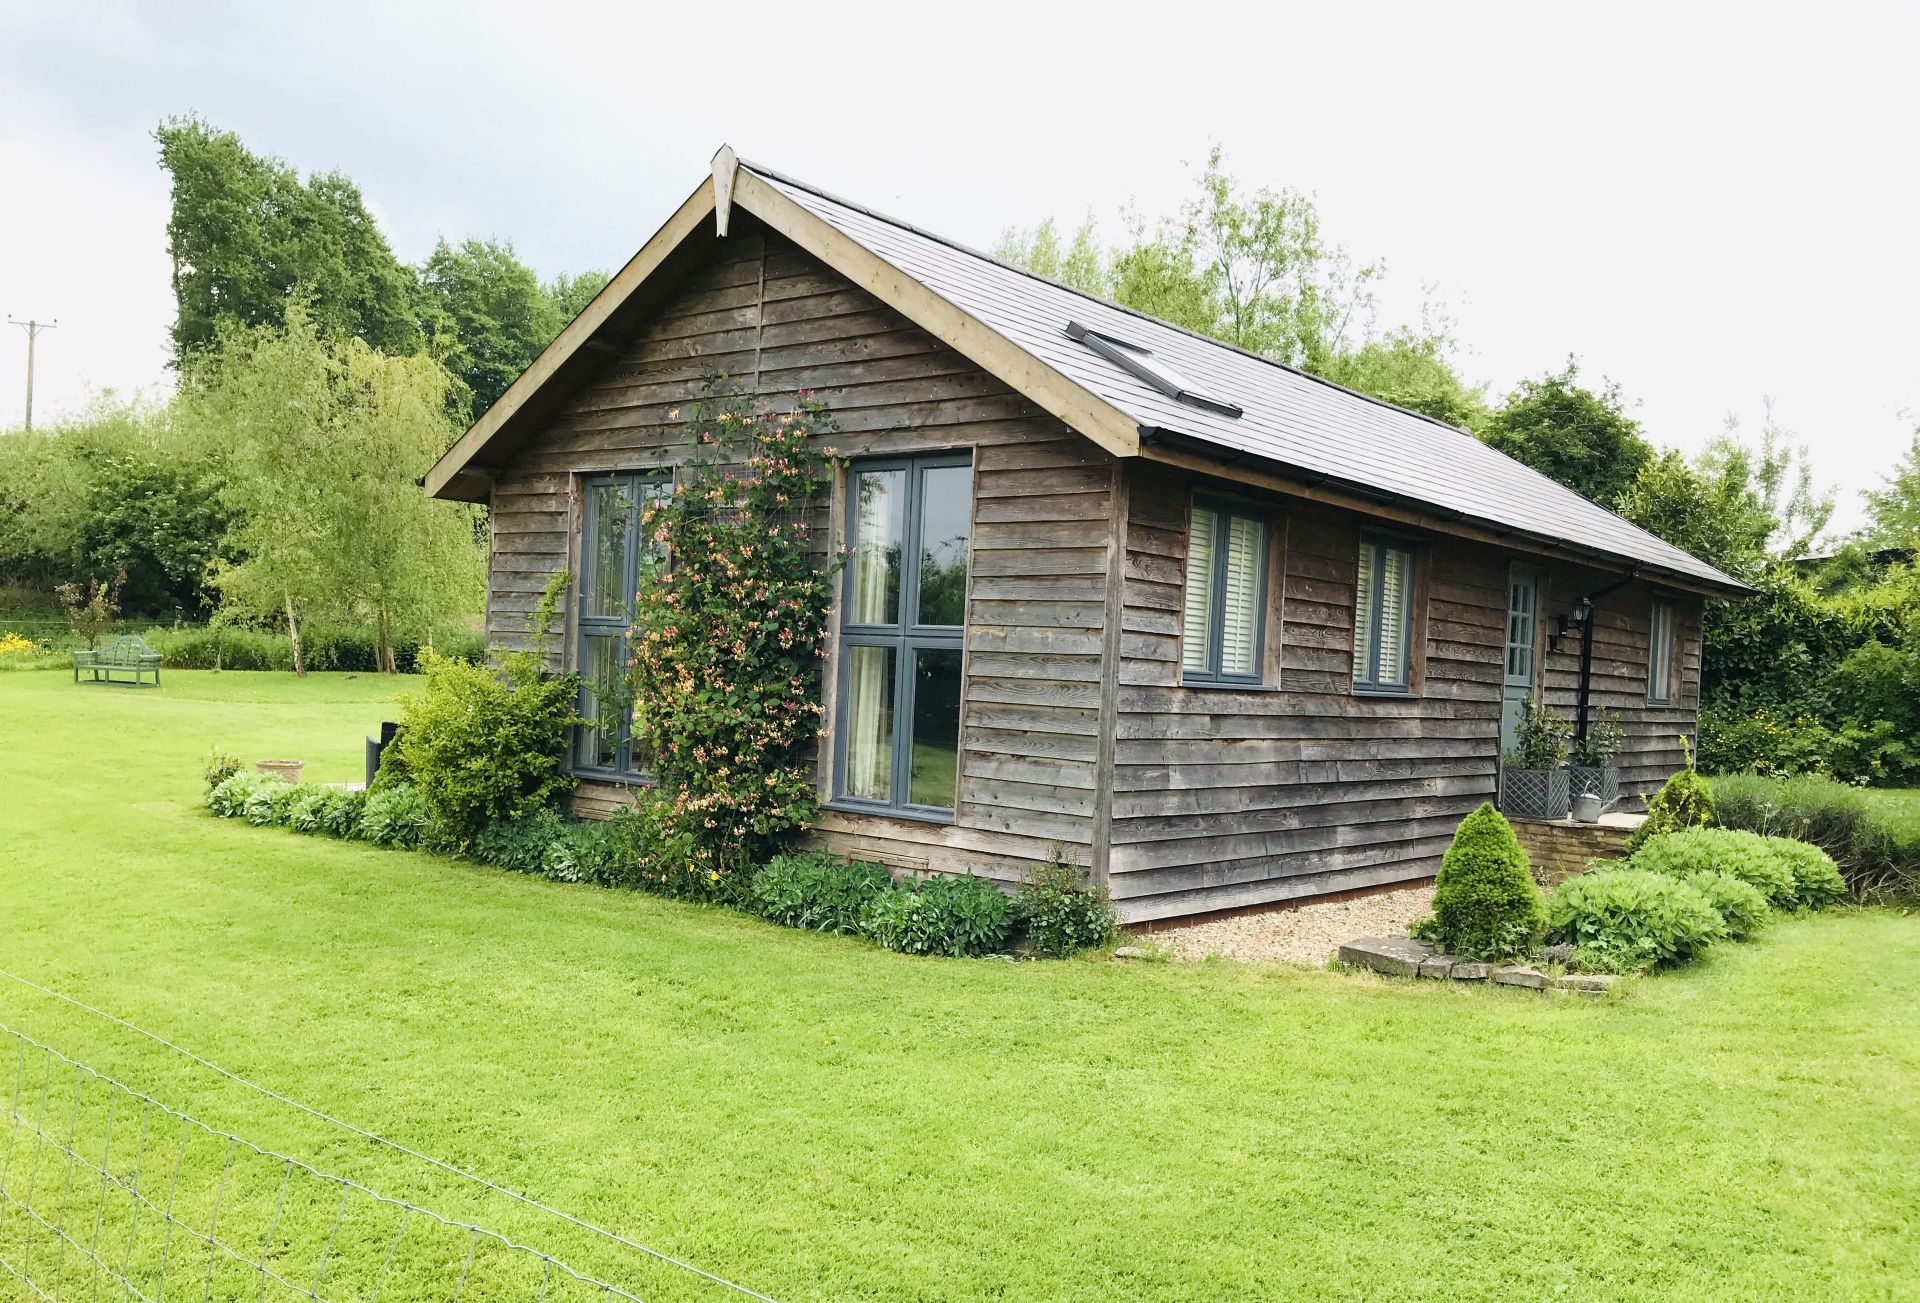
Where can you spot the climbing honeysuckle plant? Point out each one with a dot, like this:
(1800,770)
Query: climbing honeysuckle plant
(729,629)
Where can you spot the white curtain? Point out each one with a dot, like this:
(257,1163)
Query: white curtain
(1392,667)
(1194,651)
(1239,629)
(869,745)
(1363,613)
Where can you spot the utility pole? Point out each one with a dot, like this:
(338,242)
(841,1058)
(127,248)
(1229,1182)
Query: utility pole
(33,329)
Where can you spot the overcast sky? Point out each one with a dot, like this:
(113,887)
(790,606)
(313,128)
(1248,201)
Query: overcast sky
(1711,205)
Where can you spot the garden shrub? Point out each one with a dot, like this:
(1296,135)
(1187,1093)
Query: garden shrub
(339,815)
(398,817)
(269,802)
(817,891)
(482,746)
(1742,906)
(230,798)
(1685,801)
(521,844)
(306,807)
(350,649)
(957,916)
(219,768)
(1744,855)
(393,765)
(1062,914)
(1872,855)
(1485,903)
(1816,878)
(1630,920)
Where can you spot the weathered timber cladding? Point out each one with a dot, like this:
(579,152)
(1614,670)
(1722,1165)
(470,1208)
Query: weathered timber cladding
(1227,797)
(1075,727)
(1622,629)
(778,321)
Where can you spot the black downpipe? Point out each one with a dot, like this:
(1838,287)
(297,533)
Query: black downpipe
(1586,650)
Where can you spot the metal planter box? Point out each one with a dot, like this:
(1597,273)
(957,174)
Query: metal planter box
(1535,793)
(1602,781)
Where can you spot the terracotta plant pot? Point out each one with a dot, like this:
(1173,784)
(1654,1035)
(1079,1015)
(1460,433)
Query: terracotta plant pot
(285,770)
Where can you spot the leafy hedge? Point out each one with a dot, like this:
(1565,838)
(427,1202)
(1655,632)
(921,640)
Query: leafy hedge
(949,915)
(1630,920)
(1742,855)
(1873,855)
(202,647)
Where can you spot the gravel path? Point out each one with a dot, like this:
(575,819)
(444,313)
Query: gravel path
(1306,934)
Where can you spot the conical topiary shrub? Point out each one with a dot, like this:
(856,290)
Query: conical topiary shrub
(1485,903)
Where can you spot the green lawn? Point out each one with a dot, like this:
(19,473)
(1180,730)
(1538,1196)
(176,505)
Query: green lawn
(823,1120)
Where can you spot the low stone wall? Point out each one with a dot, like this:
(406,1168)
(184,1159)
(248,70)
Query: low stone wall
(1559,848)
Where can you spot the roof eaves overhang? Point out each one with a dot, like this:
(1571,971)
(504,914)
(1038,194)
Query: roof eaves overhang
(1174,448)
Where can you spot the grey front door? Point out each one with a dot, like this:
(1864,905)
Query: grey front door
(1523,624)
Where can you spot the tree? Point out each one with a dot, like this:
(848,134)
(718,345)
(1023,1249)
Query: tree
(1582,438)
(155,518)
(1410,369)
(1253,269)
(1738,507)
(1893,511)
(572,293)
(322,441)
(487,316)
(1081,265)
(246,237)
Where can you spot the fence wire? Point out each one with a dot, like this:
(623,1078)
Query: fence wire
(107,1192)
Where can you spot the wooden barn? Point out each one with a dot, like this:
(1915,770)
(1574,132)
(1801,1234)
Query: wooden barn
(1229,633)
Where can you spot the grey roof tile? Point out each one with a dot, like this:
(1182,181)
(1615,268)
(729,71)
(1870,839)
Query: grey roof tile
(1291,418)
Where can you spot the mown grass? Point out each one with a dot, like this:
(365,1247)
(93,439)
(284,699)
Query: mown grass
(824,1120)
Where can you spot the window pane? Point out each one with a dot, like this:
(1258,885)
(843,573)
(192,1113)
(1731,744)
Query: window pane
(935,760)
(1363,589)
(1195,651)
(1240,603)
(879,502)
(607,518)
(1660,662)
(870,723)
(600,669)
(946,508)
(1392,664)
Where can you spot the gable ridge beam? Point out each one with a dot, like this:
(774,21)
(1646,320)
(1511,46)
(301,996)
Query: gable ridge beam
(987,348)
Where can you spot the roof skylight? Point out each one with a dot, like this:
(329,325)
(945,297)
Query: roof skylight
(1144,365)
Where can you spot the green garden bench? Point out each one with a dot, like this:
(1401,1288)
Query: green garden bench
(126,655)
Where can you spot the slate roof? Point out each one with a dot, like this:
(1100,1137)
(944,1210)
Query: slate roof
(1304,426)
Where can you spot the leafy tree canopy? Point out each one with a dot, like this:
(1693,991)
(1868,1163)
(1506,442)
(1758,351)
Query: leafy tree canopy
(246,235)
(320,441)
(572,293)
(1255,270)
(486,314)
(1739,506)
(1581,437)
(1893,510)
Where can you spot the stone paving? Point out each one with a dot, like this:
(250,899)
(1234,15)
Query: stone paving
(1406,957)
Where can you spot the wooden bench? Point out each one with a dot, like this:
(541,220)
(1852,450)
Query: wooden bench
(126,655)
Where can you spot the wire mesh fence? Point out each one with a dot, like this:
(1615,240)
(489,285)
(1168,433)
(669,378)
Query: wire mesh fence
(107,1193)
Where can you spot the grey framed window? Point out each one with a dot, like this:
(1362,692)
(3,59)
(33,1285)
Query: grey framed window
(613,554)
(1222,620)
(902,626)
(1660,653)
(1383,617)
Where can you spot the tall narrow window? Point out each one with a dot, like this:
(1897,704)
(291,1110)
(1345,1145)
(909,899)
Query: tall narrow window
(901,630)
(612,557)
(1660,653)
(1382,618)
(1226,595)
